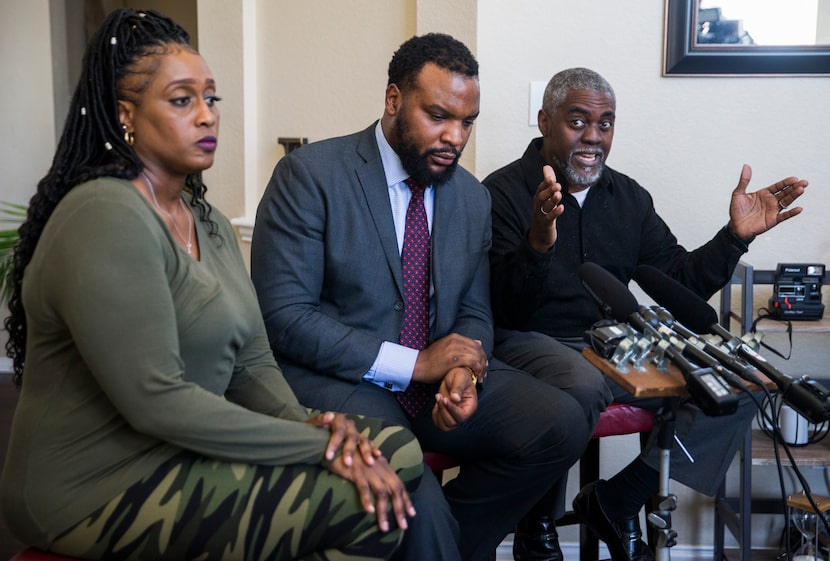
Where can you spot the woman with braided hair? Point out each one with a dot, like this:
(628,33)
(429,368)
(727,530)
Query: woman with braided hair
(153,421)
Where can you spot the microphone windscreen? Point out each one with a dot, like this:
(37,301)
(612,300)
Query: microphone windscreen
(613,297)
(687,307)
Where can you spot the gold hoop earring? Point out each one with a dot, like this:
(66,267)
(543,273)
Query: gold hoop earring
(129,137)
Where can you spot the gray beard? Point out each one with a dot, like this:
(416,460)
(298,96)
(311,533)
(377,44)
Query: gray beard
(576,178)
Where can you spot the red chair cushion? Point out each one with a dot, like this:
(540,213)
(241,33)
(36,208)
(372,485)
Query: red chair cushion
(32,554)
(621,418)
(439,462)
(617,419)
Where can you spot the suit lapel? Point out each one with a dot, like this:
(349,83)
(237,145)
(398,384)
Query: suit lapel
(372,181)
(443,232)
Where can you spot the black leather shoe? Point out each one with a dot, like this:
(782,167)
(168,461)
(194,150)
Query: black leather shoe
(623,537)
(536,540)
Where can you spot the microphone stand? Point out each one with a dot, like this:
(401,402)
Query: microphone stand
(660,519)
(699,384)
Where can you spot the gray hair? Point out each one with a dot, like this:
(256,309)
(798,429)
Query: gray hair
(573,79)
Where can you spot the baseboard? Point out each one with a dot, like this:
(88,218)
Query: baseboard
(571,551)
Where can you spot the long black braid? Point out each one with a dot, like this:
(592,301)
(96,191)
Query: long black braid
(92,144)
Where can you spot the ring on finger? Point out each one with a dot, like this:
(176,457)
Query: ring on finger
(542,210)
(782,206)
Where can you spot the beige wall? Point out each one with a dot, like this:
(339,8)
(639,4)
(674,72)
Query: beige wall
(27,136)
(317,68)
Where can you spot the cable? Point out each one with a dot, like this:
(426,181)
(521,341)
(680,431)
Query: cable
(764,313)
(770,419)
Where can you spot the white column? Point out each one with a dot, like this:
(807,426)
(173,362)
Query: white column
(227,40)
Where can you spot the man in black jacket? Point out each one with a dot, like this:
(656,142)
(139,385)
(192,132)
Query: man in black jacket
(560,206)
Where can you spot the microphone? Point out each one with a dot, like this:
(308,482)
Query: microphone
(686,306)
(807,396)
(714,398)
(707,389)
(613,297)
(707,352)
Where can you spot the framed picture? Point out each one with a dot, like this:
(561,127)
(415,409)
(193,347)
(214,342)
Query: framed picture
(734,37)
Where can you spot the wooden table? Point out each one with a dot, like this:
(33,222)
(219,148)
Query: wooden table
(816,454)
(770,325)
(651,381)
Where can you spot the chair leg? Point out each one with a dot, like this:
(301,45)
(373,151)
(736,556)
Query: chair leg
(588,472)
(651,504)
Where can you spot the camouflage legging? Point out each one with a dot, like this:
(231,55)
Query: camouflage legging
(201,509)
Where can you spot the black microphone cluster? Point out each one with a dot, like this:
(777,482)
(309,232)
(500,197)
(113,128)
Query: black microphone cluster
(671,331)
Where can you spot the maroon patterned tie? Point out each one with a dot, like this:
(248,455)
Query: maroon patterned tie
(415,269)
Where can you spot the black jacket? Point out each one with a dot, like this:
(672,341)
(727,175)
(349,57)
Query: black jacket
(617,228)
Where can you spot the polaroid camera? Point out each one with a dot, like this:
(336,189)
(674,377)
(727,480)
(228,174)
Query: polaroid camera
(797,292)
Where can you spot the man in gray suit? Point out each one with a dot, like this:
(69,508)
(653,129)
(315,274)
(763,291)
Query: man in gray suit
(330,237)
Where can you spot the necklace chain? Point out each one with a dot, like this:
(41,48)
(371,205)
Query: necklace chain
(187,241)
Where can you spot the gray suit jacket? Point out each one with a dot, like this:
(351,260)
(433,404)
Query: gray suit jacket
(325,262)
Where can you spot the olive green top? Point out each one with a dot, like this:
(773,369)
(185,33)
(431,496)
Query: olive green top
(136,351)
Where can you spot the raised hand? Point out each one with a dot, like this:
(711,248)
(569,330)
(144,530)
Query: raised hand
(751,214)
(547,208)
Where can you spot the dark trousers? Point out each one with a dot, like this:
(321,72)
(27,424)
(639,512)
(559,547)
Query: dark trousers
(524,436)
(559,366)
(710,441)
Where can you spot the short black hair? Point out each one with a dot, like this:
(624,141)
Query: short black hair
(438,48)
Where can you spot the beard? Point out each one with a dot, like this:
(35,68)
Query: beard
(416,163)
(579,177)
